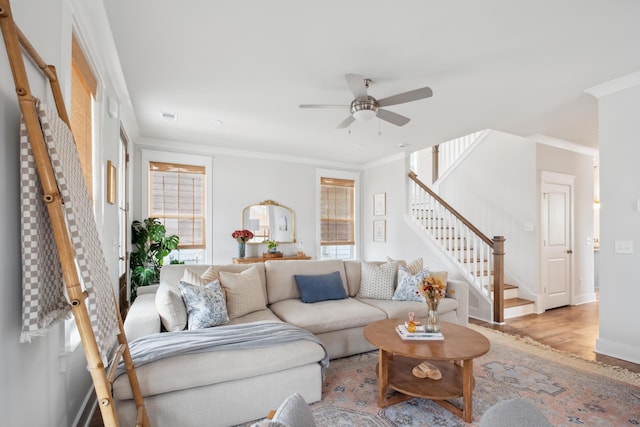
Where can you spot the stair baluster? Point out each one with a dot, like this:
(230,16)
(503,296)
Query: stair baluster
(479,256)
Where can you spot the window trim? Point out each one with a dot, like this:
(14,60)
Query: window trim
(338,174)
(148,156)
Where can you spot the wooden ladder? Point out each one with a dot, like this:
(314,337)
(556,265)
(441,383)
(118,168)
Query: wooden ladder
(102,380)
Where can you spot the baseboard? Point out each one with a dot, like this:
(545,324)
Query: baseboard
(88,409)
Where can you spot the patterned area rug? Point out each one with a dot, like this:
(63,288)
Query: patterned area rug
(570,391)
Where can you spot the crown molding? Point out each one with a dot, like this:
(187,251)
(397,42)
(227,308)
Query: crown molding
(564,144)
(615,85)
(194,148)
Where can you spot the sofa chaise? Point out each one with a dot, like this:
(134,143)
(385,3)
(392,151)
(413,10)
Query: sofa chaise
(228,387)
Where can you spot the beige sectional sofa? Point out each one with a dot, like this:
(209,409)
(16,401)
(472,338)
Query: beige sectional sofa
(223,388)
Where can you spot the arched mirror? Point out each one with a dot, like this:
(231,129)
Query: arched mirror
(269,221)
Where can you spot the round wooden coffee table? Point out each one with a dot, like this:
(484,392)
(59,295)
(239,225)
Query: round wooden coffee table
(453,356)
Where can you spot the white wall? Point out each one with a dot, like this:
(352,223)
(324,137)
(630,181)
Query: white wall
(242,181)
(497,188)
(494,188)
(389,176)
(42,385)
(619,220)
(553,159)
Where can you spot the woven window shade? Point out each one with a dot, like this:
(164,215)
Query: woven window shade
(337,211)
(177,199)
(83,91)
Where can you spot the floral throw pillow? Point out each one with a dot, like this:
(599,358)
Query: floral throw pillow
(206,305)
(407,289)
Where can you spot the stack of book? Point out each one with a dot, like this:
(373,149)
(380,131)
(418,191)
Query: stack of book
(419,334)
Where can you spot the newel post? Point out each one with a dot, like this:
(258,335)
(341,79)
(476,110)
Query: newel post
(435,163)
(498,279)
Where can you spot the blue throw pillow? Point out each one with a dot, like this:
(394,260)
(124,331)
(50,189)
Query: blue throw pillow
(320,287)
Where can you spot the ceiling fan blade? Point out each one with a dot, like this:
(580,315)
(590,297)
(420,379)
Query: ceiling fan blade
(322,106)
(393,118)
(346,122)
(357,86)
(401,98)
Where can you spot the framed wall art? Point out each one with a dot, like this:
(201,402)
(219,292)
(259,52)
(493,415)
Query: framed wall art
(380,204)
(111,182)
(379,230)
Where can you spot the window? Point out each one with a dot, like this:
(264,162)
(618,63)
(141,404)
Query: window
(177,198)
(337,218)
(83,92)
(177,188)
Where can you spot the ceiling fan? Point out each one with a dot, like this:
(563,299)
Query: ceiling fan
(365,107)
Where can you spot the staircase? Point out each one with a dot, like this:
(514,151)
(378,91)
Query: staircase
(479,257)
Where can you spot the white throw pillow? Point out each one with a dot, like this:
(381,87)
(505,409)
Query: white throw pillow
(169,302)
(244,292)
(206,306)
(414,267)
(171,308)
(377,281)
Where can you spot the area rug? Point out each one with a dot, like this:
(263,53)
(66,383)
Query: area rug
(569,391)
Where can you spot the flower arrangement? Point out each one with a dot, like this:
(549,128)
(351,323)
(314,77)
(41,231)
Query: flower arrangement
(242,236)
(432,289)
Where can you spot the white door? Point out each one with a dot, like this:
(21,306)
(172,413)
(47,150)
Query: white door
(557,231)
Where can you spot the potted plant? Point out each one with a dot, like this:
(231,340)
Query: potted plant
(150,247)
(272,245)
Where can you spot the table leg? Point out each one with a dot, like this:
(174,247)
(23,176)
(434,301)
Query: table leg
(383,377)
(467,390)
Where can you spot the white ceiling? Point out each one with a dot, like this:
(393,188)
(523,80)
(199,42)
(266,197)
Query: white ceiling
(515,66)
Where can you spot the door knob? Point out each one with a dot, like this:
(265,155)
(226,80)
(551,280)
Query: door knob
(569,251)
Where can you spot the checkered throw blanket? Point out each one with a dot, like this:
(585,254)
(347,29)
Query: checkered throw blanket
(44,300)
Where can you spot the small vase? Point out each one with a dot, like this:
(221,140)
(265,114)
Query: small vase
(432,322)
(242,246)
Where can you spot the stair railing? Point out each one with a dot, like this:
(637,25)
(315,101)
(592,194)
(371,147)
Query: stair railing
(445,155)
(480,257)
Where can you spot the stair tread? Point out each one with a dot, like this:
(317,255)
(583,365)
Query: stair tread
(506,286)
(515,302)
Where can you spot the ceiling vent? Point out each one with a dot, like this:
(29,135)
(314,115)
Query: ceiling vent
(169,117)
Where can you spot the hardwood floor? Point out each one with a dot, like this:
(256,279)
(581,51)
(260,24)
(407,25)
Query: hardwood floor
(573,329)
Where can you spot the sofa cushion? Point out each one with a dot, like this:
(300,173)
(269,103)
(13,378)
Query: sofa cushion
(377,281)
(281,284)
(206,305)
(401,309)
(326,316)
(244,292)
(189,371)
(407,289)
(320,287)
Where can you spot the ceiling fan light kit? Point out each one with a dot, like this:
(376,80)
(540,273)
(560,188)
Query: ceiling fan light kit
(364,110)
(365,107)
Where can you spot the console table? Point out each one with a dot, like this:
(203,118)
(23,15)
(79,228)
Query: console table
(261,259)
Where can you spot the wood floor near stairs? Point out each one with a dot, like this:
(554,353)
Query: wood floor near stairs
(573,329)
